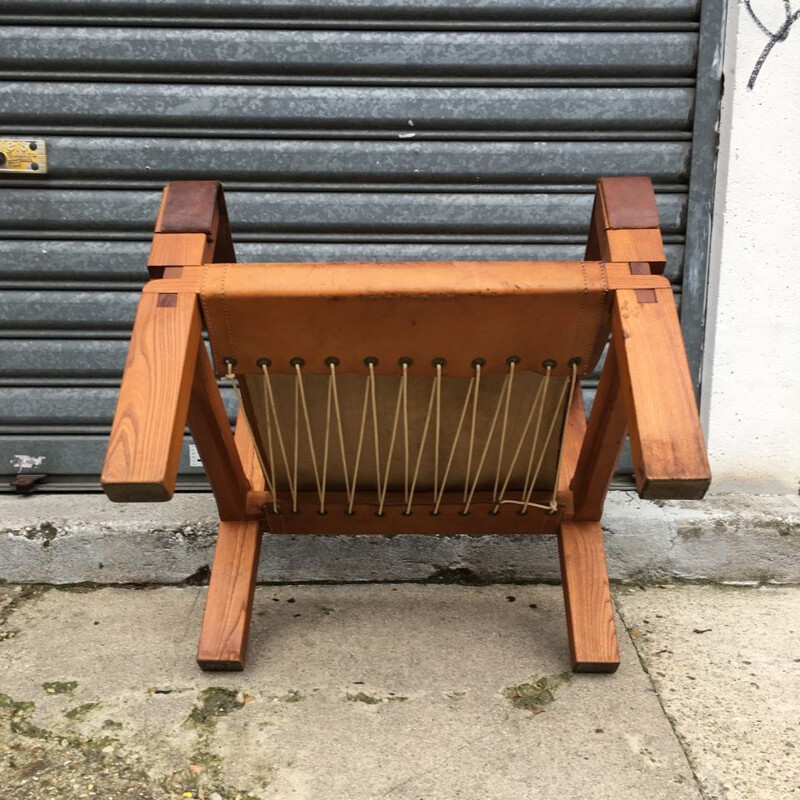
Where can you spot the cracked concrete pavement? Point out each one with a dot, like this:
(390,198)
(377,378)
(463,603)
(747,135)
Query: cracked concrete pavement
(398,691)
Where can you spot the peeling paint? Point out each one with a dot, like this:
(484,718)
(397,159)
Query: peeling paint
(21,462)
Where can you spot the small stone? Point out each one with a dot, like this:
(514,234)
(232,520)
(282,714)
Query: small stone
(108,749)
(195,768)
(214,796)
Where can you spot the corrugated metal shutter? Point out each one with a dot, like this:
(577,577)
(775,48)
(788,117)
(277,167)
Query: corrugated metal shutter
(381,129)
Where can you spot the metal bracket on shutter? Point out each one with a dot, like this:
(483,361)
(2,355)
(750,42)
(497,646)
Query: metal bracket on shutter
(23,155)
(24,484)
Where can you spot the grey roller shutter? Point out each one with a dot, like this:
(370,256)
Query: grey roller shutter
(384,129)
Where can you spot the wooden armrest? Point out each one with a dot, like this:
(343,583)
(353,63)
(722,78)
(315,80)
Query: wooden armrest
(624,227)
(144,449)
(669,453)
(168,380)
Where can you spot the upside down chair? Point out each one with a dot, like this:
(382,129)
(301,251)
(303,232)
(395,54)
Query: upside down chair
(407,398)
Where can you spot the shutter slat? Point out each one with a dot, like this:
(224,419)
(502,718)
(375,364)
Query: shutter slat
(335,56)
(336,110)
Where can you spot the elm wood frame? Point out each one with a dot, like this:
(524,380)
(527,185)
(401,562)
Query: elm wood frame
(168,380)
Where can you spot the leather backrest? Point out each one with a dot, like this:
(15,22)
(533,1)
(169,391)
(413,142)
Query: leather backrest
(459,311)
(537,313)
(351,391)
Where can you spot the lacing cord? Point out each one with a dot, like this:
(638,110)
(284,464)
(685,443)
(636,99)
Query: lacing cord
(530,480)
(538,400)
(268,478)
(536,429)
(272,418)
(402,403)
(436,383)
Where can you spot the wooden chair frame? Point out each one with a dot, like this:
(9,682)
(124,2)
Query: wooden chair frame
(644,390)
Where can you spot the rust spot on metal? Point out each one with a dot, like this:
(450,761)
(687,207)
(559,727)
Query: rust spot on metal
(25,484)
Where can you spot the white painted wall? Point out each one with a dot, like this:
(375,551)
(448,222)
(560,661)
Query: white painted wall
(751,376)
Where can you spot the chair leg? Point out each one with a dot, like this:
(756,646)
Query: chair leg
(226,622)
(587,596)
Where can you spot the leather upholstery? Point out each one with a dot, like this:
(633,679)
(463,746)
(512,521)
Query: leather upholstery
(537,311)
(351,398)
(457,311)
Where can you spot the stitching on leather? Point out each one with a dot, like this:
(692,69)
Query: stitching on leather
(601,310)
(206,309)
(225,313)
(581,311)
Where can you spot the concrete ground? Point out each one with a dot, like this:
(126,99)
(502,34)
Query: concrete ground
(406,691)
(62,538)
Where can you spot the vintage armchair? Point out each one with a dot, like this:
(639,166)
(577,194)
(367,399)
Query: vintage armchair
(421,398)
